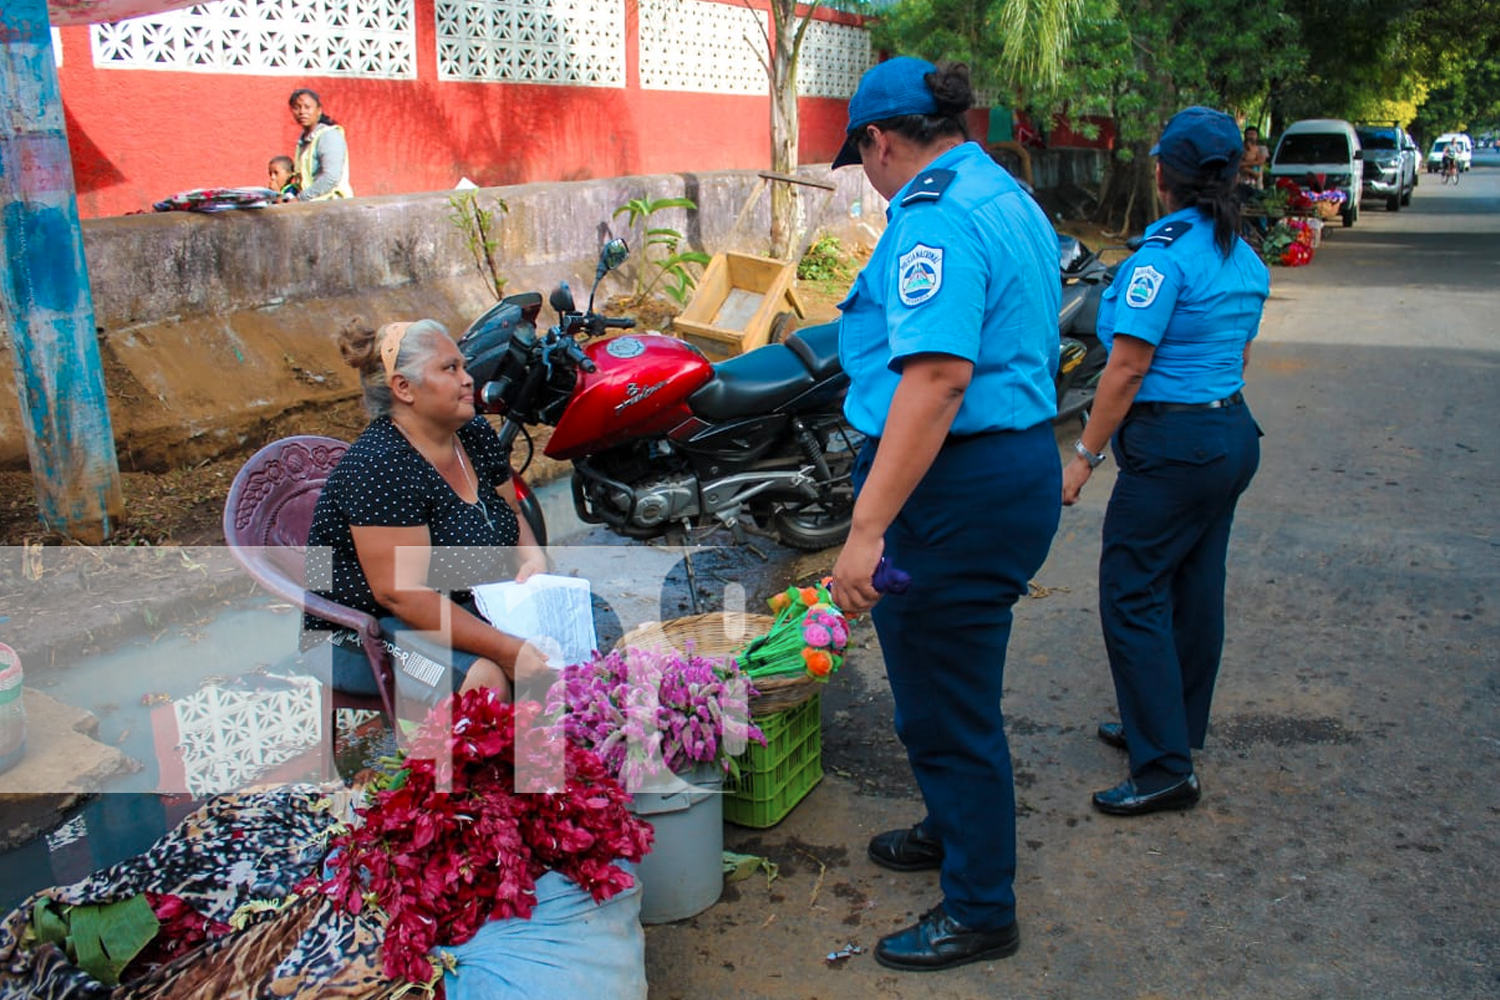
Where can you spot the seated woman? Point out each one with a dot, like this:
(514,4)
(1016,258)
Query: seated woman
(414,513)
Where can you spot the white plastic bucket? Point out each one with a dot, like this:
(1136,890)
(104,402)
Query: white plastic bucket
(1315,226)
(684,873)
(12,710)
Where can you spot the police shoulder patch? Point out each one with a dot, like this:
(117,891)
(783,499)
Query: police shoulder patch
(920,274)
(1141,289)
(928,186)
(1168,234)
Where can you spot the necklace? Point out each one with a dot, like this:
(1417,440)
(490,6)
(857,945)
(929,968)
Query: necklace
(458,453)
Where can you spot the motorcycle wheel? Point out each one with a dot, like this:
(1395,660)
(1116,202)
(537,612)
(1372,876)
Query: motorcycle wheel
(811,525)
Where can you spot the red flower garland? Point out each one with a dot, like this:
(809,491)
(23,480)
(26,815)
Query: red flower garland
(449,844)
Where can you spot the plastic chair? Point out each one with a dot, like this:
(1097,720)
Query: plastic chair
(267,518)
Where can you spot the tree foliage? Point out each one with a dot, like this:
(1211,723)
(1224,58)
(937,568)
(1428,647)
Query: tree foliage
(1431,63)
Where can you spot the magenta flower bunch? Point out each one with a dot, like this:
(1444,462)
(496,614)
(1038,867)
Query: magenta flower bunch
(650,713)
(445,843)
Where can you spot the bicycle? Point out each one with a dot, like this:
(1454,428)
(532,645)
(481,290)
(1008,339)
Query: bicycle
(1450,172)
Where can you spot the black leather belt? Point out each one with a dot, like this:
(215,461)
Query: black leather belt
(1136,409)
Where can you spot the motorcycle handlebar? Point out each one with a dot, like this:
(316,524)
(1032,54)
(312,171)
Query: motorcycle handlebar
(622,323)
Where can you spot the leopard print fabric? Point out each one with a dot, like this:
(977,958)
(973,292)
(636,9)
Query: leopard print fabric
(253,845)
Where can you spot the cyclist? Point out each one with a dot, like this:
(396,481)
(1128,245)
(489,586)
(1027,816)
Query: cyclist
(1450,164)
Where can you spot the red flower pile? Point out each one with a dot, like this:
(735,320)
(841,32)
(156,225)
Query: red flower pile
(449,845)
(1300,250)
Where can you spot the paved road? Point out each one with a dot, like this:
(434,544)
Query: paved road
(1348,844)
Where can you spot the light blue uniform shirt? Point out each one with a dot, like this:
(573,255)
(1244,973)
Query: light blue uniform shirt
(1198,309)
(967,267)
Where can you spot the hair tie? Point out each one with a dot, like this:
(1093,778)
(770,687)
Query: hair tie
(391,336)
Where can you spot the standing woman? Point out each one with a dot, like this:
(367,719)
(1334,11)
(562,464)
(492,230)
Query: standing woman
(1178,324)
(322,151)
(949,337)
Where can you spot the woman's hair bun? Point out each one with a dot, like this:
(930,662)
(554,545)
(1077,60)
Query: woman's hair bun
(356,340)
(951,87)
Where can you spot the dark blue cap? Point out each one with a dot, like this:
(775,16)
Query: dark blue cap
(894,88)
(1201,140)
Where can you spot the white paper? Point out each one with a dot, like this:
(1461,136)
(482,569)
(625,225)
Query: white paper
(559,608)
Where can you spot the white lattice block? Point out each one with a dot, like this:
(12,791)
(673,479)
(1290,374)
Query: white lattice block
(230,738)
(352,38)
(703,46)
(832,59)
(578,42)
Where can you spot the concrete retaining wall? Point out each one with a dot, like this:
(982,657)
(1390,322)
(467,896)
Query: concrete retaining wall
(208,324)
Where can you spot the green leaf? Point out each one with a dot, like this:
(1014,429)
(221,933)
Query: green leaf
(738,867)
(105,938)
(47,923)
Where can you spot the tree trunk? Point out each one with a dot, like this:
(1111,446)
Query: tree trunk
(786,199)
(1127,203)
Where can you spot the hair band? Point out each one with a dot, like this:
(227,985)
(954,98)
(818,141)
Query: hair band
(391,336)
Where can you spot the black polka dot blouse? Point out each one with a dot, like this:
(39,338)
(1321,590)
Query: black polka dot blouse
(383,481)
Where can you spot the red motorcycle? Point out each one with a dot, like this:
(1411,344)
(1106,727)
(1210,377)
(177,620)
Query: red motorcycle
(661,440)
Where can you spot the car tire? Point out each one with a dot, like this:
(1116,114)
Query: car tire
(1350,214)
(1406,198)
(1393,203)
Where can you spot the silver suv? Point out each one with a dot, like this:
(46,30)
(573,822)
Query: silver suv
(1390,163)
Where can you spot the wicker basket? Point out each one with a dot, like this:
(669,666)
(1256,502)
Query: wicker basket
(724,633)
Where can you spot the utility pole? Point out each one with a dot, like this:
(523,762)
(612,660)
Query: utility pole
(45,303)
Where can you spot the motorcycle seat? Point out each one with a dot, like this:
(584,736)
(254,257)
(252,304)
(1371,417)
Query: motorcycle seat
(818,347)
(753,384)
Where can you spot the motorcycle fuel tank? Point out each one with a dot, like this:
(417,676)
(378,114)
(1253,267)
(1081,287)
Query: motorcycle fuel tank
(639,389)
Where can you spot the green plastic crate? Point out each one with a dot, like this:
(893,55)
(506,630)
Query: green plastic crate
(775,777)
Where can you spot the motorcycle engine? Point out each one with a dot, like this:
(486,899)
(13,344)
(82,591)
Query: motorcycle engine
(606,492)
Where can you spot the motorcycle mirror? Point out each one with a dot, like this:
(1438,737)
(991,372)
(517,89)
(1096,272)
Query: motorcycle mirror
(611,256)
(561,298)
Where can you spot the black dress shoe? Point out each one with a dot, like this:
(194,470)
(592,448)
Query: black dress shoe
(937,941)
(1125,800)
(1112,733)
(906,850)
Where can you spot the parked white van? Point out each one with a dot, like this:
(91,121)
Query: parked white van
(1463,151)
(1326,151)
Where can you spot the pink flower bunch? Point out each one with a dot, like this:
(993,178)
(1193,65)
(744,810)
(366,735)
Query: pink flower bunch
(648,714)
(809,635)
(447,844)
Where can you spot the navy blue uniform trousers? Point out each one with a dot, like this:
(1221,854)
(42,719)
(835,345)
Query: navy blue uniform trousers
(973,533)
(1161,576)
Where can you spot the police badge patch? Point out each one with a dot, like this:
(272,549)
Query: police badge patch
(921,274)
(1145,282)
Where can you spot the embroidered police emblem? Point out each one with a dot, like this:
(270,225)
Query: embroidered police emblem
(921,274)
(1145,282)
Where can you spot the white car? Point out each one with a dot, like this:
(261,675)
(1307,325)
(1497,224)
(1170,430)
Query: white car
(1463,150)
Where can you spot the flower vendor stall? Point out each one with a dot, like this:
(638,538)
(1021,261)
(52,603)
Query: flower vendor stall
(438,875)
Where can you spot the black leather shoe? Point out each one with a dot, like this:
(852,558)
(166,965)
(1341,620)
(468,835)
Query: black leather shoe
(1125,800)
(937,941)
(906,850)
(1112,733)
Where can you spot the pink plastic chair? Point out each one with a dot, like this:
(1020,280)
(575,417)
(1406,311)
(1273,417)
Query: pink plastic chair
(266,522)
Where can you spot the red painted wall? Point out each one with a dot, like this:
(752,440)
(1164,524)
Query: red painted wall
(138,136)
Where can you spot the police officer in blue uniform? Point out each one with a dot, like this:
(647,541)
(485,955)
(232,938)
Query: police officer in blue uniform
(949,337)
(1178,322)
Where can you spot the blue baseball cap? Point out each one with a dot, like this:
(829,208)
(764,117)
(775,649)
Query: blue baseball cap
(1201,140)
(894,88)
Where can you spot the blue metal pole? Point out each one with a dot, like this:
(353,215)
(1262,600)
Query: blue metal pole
(45,302)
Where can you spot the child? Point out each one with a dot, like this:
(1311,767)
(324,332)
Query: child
(284,179)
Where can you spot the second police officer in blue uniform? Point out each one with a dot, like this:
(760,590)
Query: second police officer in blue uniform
(950,340)
(1178,321)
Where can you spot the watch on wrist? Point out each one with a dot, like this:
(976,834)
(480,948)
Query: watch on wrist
(1094,459)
